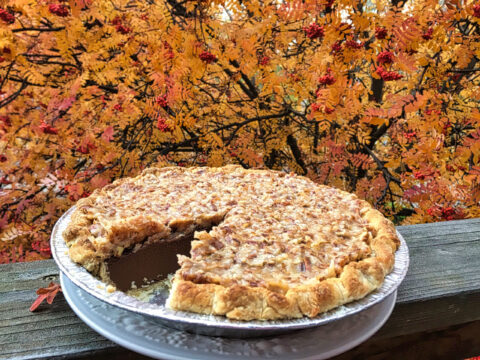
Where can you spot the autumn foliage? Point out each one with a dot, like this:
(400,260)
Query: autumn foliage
(379,98)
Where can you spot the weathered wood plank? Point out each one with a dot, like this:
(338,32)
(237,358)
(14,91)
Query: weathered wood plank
(437,313)
(454,342)
(442,288)
(444,260)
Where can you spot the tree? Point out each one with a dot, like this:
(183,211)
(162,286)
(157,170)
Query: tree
(376,98)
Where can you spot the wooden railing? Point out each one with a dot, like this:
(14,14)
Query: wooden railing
(437,314)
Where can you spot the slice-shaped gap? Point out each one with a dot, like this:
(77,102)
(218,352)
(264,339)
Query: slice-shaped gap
(153,261)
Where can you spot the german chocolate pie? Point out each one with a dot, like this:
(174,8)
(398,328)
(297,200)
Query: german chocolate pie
(251,244)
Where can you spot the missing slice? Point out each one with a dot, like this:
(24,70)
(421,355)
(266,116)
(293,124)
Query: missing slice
(150,261)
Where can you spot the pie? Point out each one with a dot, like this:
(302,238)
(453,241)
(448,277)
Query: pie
(252,244)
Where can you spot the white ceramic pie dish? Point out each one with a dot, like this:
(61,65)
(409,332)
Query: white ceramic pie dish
(210,324)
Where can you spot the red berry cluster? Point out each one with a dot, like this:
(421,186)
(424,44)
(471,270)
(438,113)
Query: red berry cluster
(207,57)
(353,44)
(120,27)
(314,31)
(41,247)
(162,100)
(337,47)
(5,16)
(432,111)
(388,75)
(476,10)
(428,35)
(117,20)
(381,33)
(264,60)
(48,129)
(327,79)
(58,9)
(446,213)
(410,135)
(123,29)
(162,125)
(168,47)
(5,119)
(385,57)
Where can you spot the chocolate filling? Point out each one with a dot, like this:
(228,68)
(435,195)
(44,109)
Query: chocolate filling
(152,262)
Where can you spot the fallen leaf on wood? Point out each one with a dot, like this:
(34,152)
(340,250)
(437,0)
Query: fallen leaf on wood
(47,293)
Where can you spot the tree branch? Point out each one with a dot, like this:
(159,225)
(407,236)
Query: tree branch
(46,29)
(297,154)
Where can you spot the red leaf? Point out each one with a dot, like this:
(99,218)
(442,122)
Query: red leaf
(52,286)
(99,181)
(66,103)
(74,190)
(3,221)
(48,129)
(37,302)
(108,134)
(47,293)
(51,295)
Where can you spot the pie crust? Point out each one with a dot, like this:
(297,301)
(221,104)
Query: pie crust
(272,245)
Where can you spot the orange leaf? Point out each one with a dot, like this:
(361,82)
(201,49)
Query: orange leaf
(52,286)
(47,293)
(99,181)
(37,302)
(51,295)
(78,5)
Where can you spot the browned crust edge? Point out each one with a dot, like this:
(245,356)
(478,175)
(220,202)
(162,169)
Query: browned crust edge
(77,235)
(239,302)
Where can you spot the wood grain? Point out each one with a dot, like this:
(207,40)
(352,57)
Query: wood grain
(441,290)
(444,260)
(454,342)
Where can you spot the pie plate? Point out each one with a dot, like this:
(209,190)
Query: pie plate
(210,324)
(141,334)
